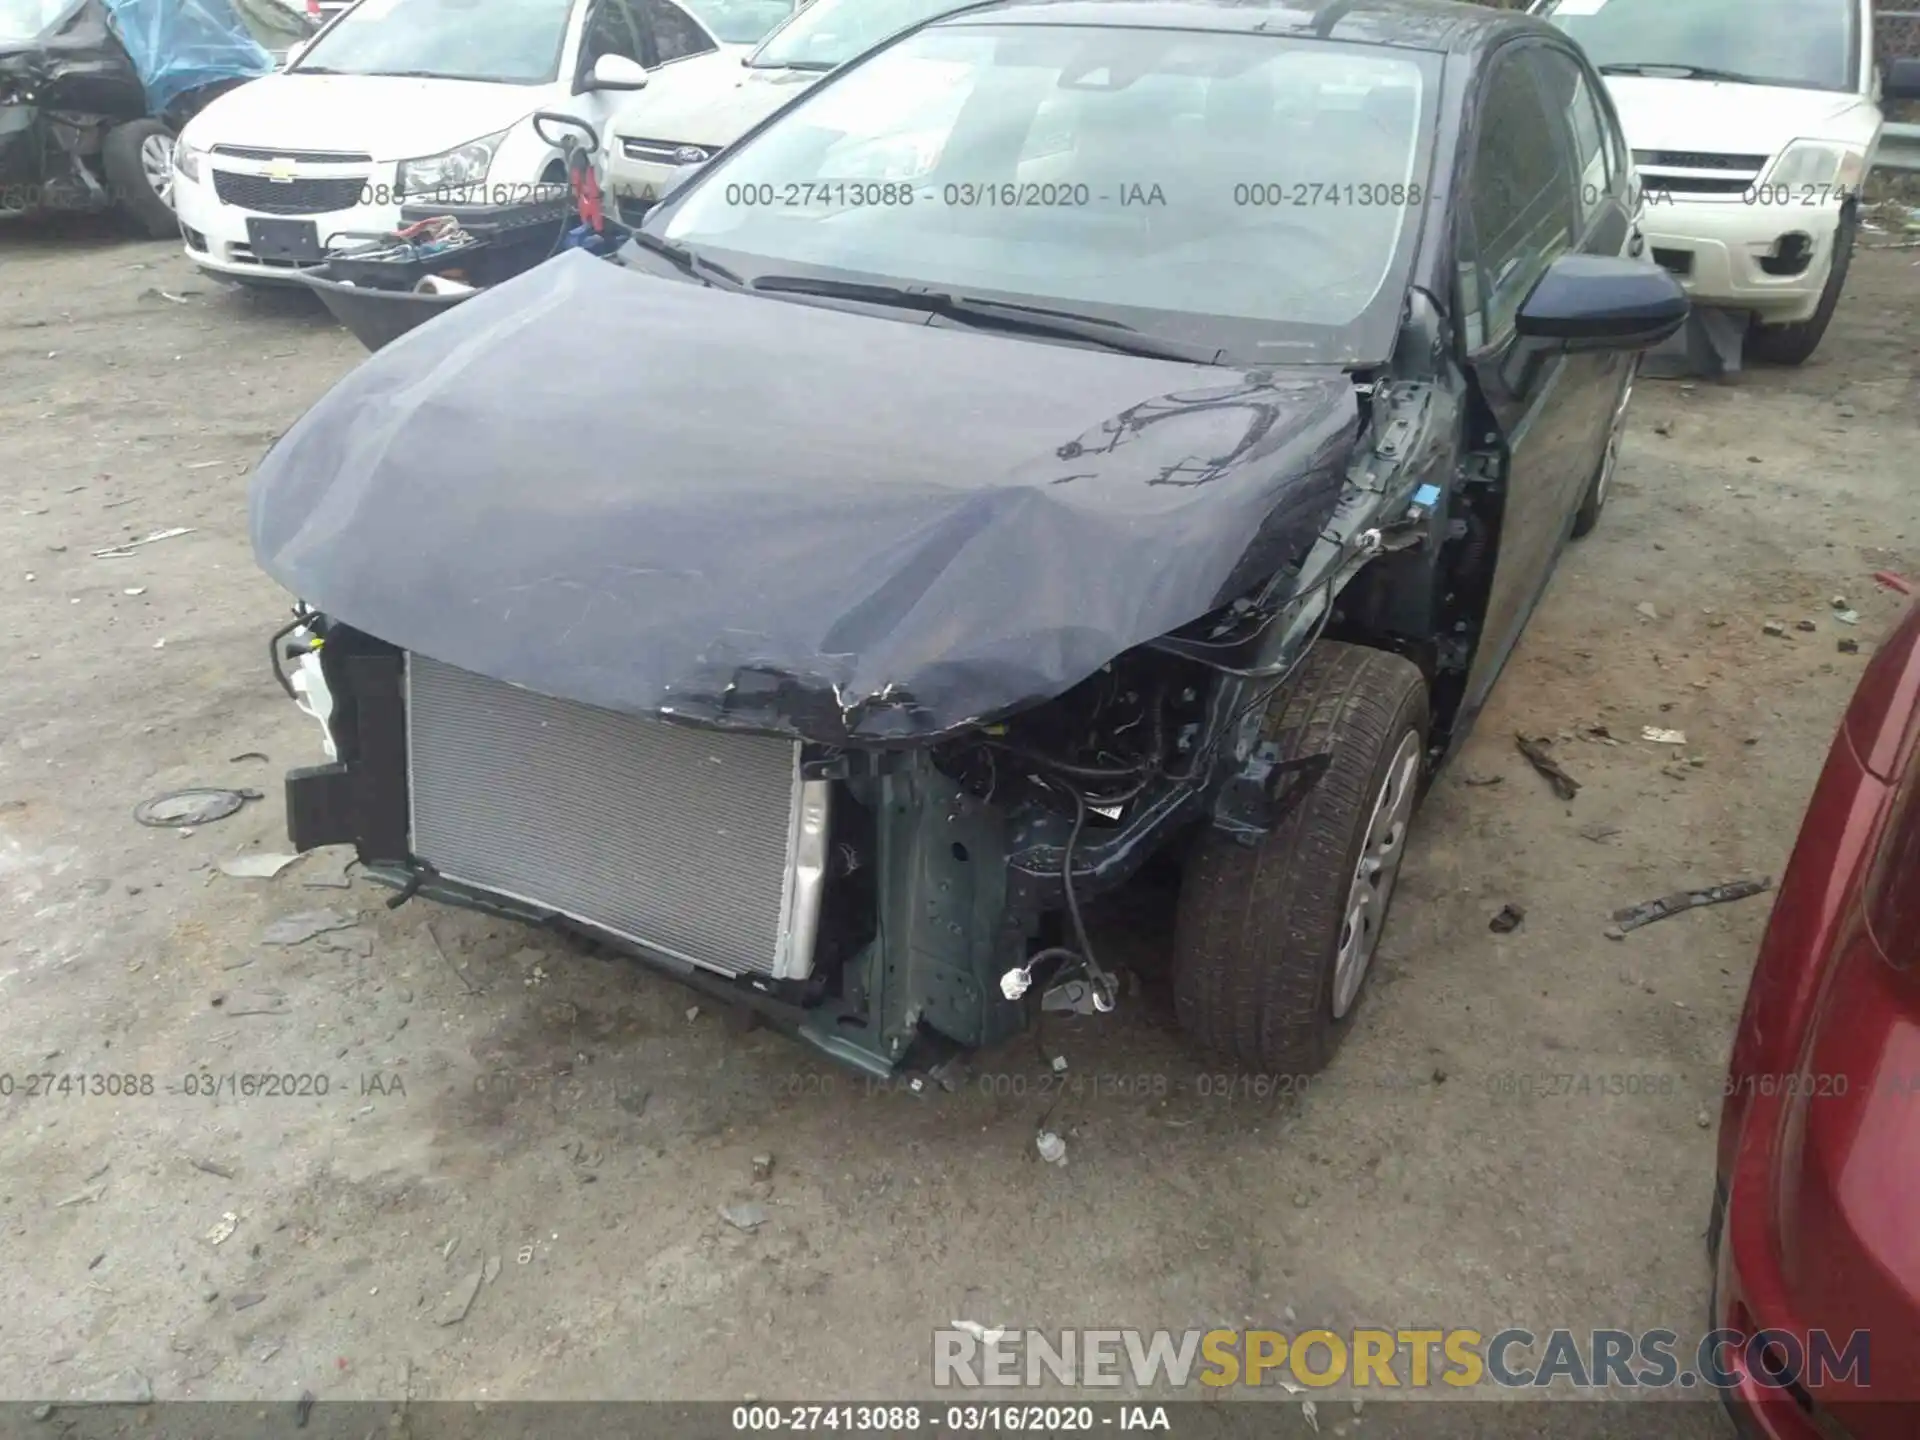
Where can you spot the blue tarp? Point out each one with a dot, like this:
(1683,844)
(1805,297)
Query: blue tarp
(181,45)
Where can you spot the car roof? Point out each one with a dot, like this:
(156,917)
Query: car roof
(1439,25)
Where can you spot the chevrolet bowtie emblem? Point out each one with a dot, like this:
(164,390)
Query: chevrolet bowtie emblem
(280,172)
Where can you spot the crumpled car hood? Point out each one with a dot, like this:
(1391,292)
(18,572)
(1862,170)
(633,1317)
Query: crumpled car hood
(660,498)
(75,64)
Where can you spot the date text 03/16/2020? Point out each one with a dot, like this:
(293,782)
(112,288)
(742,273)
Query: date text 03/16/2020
(948,1419)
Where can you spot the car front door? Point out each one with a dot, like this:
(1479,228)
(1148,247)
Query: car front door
(651,33)
(1520,211)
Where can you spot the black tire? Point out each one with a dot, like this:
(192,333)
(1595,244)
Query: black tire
(1588,515)
(1595,500)
(1258,929)
(127,178)
(1716,1222)
(1795,344)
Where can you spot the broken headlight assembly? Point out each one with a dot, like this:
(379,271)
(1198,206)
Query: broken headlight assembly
(295,652)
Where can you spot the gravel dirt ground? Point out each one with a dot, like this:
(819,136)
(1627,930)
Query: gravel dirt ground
(563,1129)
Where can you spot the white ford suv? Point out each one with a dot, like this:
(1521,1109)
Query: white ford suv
(1753,124)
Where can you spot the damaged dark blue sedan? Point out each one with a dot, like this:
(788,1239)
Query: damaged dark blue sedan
(1070,434)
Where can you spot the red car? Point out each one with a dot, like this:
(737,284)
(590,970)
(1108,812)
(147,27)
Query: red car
(1816,1212)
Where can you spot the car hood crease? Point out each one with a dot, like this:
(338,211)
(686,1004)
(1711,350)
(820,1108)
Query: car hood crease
(660,498)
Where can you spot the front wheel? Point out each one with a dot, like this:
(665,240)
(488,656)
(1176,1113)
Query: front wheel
(138,158)
(1273,942)
(1794,344)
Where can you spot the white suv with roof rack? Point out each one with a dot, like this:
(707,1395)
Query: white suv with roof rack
(1753,124)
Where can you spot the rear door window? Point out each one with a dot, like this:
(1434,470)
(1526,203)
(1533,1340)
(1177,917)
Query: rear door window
(676,34)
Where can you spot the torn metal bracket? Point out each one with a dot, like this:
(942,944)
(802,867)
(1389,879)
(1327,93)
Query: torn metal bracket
(1265,791)
(1632,917)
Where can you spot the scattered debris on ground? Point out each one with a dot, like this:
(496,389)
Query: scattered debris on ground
(196,805)
(114,552)
(1634,916)
(748,1216)
(125,1387)
(985,1334)
(1654,735)
(1564,785)
(459,1300)
(331,871)
(298,929)
(1508,920)
(260,865)
(433,943)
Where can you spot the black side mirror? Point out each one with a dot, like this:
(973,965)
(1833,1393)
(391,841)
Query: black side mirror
(1902,81)
(1602,302)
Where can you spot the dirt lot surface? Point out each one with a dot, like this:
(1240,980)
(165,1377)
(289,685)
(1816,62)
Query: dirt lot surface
(568,1127)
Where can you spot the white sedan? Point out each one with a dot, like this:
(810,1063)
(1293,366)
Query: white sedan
(687,117)
(408,101)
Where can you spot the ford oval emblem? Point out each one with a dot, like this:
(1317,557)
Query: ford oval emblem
(690,155)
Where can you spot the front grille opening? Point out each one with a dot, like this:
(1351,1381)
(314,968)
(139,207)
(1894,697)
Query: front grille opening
(1678,262)
(1698,160)
(317,157)
(306,196)
(663,152)
(1672,185)
(244,254)
(1791,254)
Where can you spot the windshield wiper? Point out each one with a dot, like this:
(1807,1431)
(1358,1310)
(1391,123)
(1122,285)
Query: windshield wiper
(812,67)
(698,266)
(1683,72)
(988,314)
